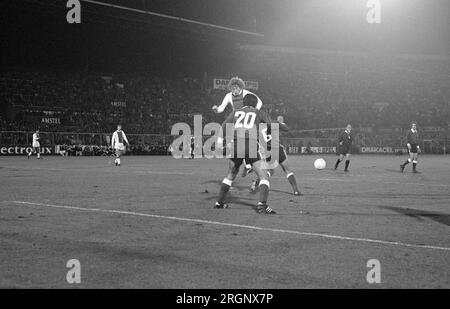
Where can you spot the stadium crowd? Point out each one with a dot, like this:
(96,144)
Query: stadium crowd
(325,89)
(312,89)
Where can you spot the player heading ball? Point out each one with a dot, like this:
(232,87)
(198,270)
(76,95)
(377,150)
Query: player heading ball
(235,98)
(245,146)
(243,132)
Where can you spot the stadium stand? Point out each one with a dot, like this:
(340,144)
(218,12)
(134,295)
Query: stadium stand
(313,89)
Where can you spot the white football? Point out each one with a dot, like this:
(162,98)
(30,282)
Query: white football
(320,164)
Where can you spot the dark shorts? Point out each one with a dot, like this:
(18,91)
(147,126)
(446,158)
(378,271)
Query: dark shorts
(413,148)
(244,154)
(282,155)
(343,149)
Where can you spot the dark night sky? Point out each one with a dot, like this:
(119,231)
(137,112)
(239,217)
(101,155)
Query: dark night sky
(407,25)
(35,34)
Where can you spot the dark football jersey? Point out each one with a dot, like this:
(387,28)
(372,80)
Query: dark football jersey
(346,138)
(412,137)
(246,121)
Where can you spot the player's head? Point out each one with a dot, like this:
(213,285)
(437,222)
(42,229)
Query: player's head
(119,127)
(349,127)
(250,100)
(236,85)
(414,125)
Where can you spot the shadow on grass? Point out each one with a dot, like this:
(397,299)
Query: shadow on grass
(439,217)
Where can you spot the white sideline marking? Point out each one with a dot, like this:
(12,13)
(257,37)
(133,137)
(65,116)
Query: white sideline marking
(131,213)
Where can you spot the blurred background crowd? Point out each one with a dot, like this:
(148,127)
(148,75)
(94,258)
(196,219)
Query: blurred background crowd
(149,73)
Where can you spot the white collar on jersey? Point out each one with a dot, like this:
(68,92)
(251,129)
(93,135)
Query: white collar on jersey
(413,131)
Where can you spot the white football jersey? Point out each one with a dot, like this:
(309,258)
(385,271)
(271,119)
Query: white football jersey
(228,99)
(35,138)
(118,140)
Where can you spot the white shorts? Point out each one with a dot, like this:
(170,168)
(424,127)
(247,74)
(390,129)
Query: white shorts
(36,145)
(120,146)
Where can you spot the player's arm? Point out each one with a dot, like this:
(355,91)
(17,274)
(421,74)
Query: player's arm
(125,138)
(341,138)
(226,100)
(229,119)
(264,117)
(408,140)
(259,103)
(418,146)
(113,140)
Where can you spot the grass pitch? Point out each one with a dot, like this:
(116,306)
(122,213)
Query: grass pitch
(150,223)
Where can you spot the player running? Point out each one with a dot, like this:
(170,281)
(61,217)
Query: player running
(344,144)
(36,146)
(244,120)
(282,160)
(235,99)
(413,147)
(119,139)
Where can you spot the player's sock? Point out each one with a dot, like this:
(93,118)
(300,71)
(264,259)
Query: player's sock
(407,162)
(264,186)
(38,155)
(347,163)
(414,166)
(291,178)
(255,183)
(118,161)
(226,184)
(337,163)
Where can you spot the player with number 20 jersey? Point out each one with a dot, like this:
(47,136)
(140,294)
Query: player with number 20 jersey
(243,121)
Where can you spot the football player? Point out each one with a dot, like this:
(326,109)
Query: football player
(282,161)
(119,140)
(413,147)
(36,146)
(345,141)
(235,99)
(243,120)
